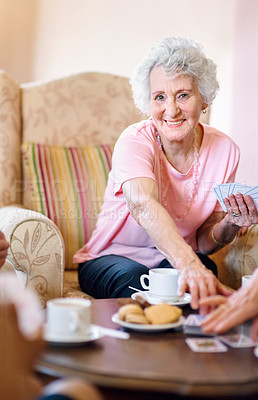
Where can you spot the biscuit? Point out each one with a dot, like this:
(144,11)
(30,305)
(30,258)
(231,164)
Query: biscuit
(136,319)
(129,309)
(162,314)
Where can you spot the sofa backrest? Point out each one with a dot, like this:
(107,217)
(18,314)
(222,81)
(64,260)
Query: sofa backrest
(86,108)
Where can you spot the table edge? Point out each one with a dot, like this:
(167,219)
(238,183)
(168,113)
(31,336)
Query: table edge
(178,387)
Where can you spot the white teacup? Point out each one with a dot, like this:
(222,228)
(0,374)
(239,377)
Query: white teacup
(246,279)
(68,318)
(162,282)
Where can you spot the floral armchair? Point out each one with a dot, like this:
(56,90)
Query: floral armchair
(55,155)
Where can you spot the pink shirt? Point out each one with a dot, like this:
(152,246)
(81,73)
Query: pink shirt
(137,154)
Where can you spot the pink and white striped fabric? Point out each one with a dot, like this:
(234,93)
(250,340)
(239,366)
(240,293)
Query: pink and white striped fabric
(67,184)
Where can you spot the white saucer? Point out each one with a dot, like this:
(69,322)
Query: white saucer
(94,334)
(148,327)
(181,301)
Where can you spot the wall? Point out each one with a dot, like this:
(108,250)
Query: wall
(18,37)
(244,111)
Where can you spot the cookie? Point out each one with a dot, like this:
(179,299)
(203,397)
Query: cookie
(136,319)
(129,309)
(162,314)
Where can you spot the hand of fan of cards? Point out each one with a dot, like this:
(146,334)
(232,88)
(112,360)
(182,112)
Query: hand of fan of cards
(225,189)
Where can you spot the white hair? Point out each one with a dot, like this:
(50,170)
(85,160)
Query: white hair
(176,56)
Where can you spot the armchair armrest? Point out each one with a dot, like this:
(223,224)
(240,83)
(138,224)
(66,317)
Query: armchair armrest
(36,250)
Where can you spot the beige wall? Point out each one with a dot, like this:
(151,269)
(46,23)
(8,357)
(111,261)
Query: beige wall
(44,39)
(244,106)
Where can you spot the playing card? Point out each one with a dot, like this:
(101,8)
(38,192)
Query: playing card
(192,325)
(225,189)
(240,188)
(206,345)
(237,340)
(217,192)
(253,191)
(194,319)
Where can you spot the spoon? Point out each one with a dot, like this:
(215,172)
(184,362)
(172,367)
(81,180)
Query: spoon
(133,288)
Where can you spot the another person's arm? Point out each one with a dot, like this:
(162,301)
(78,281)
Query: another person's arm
(239,307)
(141,195)
(3,248)
(18,354)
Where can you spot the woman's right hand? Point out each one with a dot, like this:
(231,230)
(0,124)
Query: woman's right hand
(201,283)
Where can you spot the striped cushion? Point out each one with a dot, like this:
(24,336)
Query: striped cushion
(67,184)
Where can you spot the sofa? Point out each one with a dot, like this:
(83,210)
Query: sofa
(56,145)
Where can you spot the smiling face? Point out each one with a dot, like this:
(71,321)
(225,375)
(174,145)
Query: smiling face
(175,105)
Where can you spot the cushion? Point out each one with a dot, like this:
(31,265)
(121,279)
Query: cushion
(67,185)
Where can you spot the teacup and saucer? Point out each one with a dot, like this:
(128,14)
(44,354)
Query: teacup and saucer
(68,322)
(162,287)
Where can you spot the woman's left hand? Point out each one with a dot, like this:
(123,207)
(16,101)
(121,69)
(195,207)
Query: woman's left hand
(201,283)
(241,210)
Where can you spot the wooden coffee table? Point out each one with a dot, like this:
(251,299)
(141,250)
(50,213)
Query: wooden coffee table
(153,364)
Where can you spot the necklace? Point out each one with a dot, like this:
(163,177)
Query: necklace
(194,183)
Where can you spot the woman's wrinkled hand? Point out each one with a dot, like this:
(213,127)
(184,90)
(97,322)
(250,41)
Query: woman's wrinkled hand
(241,210)
(200,282)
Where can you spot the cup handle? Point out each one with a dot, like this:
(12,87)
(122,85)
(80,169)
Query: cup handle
(142,280)
(74,323)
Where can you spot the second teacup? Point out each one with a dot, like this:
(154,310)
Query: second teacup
(68,318)
(246,279)
(162,282)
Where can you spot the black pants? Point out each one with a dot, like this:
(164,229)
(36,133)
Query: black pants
(109,276)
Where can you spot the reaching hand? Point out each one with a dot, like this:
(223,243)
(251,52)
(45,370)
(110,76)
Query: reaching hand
(201,283)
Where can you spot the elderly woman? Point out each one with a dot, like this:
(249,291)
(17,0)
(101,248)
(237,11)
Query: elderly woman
(159,208)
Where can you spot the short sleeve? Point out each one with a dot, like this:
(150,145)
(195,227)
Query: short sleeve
(133,156)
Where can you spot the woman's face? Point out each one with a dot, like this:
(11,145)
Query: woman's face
(175,105)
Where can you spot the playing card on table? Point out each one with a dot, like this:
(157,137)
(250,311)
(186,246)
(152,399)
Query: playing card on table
(206,345)
(238,340)
(225,189)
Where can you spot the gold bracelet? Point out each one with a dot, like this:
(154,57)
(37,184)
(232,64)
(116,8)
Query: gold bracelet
(216,241)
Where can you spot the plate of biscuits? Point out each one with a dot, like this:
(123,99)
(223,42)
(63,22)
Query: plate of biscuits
(153,318)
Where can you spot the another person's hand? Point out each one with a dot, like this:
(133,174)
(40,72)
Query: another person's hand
(3,248)
(239,307)
(241,210)
(200,282)
(74,388)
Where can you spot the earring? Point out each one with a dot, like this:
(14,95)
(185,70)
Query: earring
(204,111)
